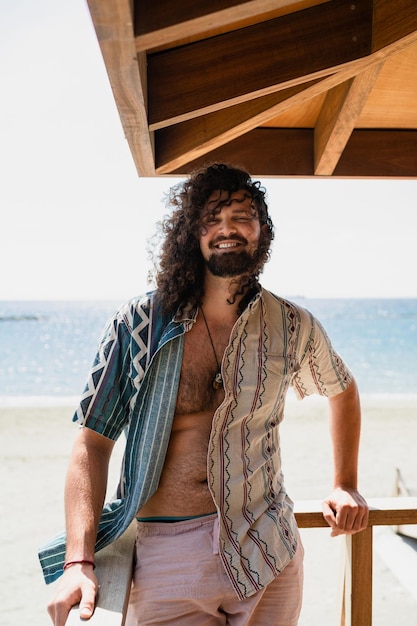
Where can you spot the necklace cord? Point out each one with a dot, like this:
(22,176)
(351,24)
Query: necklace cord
(210,337)
(218,381)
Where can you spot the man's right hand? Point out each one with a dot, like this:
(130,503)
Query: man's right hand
(78,585)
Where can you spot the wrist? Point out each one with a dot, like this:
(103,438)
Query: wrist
(72,562)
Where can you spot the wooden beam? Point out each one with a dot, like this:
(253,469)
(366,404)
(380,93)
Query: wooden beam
(357,607)
(255,61)
(382,512)
(113,23)
(385,153)
(179,144)
(393,21)
(290,152)
(166,24)
(265,152)
(341,109)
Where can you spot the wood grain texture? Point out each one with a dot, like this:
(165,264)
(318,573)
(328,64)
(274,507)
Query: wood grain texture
(237,66)
(290,151)
(166,24)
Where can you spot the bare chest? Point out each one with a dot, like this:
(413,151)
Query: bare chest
(202,359)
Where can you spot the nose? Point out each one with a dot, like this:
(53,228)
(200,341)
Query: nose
(226,226)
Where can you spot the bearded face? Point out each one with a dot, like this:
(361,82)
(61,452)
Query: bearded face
(230,235)
(232,261)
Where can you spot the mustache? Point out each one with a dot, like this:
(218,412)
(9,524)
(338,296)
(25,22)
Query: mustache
(221,238)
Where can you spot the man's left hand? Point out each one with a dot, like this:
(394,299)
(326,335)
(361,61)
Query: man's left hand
(346,512)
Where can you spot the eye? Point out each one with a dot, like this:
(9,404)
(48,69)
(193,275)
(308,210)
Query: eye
(244,217)
(210,221)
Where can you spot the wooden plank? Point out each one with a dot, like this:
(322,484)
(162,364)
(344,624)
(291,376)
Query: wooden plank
(387,153)
(290,152)
(393,21)
(256,60)
(166,24)
(265,152)
(338,117)
(392,102)
(357,602)
(114,573)
(113,22)
(383,512)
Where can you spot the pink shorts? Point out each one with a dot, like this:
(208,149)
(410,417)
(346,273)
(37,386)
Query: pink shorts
(179,579)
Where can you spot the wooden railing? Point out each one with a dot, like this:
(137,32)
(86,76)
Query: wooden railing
(114,564)
(356,600)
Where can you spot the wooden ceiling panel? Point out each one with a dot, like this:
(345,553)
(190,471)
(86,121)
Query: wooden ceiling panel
(166,24)
(392,102)
(368,153)
(304,115)
(289,88)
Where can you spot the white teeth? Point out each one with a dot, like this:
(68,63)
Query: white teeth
(227,245)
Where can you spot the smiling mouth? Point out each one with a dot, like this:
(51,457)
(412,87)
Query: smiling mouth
(225,245)
(228,244)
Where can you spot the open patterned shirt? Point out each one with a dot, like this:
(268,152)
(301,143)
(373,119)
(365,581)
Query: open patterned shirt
(133,386)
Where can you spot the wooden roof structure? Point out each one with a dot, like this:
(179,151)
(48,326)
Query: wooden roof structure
(282,87)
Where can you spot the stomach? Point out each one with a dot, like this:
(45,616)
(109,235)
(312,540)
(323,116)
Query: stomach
(183,489)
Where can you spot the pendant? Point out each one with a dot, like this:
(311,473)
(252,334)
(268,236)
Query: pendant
(218,381)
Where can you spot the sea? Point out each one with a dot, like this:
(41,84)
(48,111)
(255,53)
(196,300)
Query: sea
(47,347)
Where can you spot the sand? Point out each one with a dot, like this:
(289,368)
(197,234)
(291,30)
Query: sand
(35,445)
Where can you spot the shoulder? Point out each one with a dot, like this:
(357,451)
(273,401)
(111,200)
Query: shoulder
(136,307)
(287,307)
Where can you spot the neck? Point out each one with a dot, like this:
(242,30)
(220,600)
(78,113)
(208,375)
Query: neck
(217,296)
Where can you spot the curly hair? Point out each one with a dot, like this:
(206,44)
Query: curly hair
(179,270)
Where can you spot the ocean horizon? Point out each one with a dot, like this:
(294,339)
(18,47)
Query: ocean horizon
(47,347)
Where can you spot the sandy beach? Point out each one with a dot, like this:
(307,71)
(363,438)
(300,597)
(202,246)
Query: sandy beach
(36,442)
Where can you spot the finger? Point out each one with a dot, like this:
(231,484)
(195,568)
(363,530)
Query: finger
(361,521)
(86,610)
(329,513)
(345,519)
(357,518)
(341,520)
(354,522)
(58,613)
(87,601)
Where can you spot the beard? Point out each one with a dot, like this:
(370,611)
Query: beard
(230,264)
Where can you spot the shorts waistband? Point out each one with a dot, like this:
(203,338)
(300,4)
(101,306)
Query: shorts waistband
(160,527)
(172,520)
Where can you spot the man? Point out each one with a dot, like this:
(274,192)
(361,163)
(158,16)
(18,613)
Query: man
(197,371)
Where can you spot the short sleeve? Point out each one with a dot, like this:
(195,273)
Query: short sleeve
(105,402)
(322,370)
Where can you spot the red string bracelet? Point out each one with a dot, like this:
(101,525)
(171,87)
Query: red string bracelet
(81,562)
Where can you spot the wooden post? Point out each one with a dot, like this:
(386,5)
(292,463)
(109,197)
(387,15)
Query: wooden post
(357,588)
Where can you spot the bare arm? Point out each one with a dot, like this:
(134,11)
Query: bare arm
(345,510)
(85,490)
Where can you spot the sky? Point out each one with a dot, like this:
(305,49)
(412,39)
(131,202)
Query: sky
(76,218)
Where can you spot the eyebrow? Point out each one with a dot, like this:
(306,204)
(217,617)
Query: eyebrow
(246,211)
(236,212)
